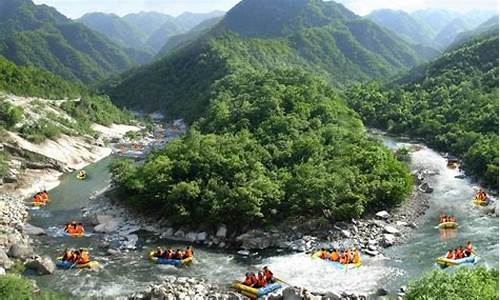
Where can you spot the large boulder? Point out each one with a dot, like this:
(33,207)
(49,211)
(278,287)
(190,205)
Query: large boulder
(389,240)
(191,236)
(109,226)
(391,230)
(383,215)
(20,251)
(290,293)
(426,188)
(42,265)
(100,219)
(33,230)
(221,232)
(201,236)
(255,239)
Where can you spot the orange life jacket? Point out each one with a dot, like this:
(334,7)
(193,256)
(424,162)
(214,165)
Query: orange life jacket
(268,274)
(79,229)
(179,255)
(84,258)
(459,254)
(248,281)
(45,197)
(38,199)
(68,256)
(188,253)
(261,281)
(71,229)
(449,255)
(469,248)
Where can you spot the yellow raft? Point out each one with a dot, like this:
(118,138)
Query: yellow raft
(445,262)
(81,177)
(478,202)
(448,225)
(74,234)
(254,293)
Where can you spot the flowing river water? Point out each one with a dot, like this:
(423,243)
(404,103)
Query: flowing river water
(131,271)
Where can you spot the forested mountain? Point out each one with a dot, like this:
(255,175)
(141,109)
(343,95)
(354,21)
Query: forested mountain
(487,28)
(189,20)
(451,103)
(147,22)
(115,28)
(37,35)
(435,19)
(404,25)
(321,36)
(160,36)
(183,39)
(437,28)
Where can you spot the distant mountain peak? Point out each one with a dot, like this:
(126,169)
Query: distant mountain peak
(278,17)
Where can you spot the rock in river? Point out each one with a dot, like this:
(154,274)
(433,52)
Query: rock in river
(383,215)
(43,265)
(33,230)
(20,251)
(391,230)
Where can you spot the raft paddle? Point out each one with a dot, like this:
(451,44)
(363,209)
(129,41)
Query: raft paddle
(282,281)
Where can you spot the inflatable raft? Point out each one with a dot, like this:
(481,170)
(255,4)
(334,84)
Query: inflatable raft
(173,262)
(39,204)
(337,264)
(74,234)
(253,292)
(478,202)
(445,262)
(81,177)
(448,225)
(68,265)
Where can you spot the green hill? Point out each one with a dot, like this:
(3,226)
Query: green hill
(33,82)
(321,36)
(451,103)
(37,35)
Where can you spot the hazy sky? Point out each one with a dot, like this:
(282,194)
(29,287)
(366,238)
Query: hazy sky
(76,8)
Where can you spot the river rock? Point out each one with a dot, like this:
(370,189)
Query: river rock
(43,265)
(389,240)
(221,232)
(371,252)
(383,215)
(191,236)
(2,271)
(254,239)
(331,296)
(201,236)
(33,230)
(179,234)
(382,292)
(100,219)
(391,230)
(346,233)
(5,261)
(426,188)
(290,293)
(112,252)
(20,251)
(109,226)
(167,233)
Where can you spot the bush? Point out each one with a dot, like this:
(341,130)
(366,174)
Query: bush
(43,129)
(478,283)
(9,115)
(13,287)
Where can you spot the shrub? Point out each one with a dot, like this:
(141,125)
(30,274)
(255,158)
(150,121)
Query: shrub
(14,287)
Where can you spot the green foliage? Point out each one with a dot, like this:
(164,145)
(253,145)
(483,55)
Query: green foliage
(29,81)
(478,283)
(403,154)
(13,287)
(451,103)
(95,109)
(10,115)
(271,146)
(4,167)
(41,130)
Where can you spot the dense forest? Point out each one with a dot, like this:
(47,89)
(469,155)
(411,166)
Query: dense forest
(451,103)
(272,146)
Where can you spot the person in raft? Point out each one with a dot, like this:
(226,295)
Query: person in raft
(344,257)
(444,218)
(481,195)
(170,254)
(80,256)
(263,278)
(460,252)
(41,198)
(74,228)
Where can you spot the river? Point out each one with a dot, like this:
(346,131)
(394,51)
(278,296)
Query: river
(131,271)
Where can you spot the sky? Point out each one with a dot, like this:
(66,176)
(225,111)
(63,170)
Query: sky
(76,8)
